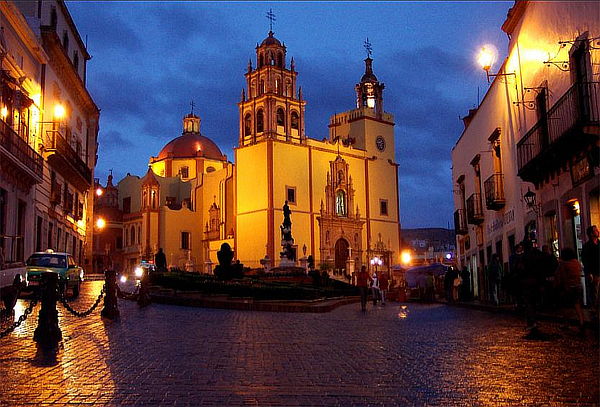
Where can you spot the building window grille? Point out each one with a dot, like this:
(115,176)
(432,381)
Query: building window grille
(291,194)
(185,240)
(383,207)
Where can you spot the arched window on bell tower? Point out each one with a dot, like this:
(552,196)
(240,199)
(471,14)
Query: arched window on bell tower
(294,120)
(248,125)
(260,121)
(280,117)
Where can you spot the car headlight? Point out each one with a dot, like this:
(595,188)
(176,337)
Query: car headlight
(139,272)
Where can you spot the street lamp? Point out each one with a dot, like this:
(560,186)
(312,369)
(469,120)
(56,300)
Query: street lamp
(486,58)
(530,200)
(376,261)
(100,223)
(405,257)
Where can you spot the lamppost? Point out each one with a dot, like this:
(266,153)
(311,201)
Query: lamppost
(100,225)
(376,261)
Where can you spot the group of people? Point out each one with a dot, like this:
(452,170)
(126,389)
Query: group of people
(377,285)
(457,285)
(533,274)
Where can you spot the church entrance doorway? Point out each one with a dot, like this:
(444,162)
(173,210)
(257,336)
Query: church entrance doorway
(341,254)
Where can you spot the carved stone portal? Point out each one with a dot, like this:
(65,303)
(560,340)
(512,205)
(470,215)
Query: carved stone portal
(340,226)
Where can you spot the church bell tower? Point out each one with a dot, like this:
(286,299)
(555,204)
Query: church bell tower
(271,106)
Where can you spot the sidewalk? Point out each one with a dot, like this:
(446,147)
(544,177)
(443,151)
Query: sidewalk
(561,315)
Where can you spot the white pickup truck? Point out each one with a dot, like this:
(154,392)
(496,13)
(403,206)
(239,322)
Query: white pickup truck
(13,278)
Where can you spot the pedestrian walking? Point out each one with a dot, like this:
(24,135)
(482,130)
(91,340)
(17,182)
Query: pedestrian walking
(590,257)
(160,260)
(384,285)
(449,283)
(550,263)
(568,283)
(495,272)
(362,282)
(530,282)
(516,269)
(375,288)
(456,287)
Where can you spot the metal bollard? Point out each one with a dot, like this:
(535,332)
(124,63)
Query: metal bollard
(144,294)
(111,307)
(48,333)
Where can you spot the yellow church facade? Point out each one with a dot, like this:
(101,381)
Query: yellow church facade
(342,190)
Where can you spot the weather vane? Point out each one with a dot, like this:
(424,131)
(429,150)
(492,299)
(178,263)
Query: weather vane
(192,105)
(271,18)
(368,48)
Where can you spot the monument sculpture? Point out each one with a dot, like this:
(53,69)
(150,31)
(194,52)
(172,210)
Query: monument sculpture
(287,255)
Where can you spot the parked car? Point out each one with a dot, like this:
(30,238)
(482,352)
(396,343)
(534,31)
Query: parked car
(13,279)
(70,275)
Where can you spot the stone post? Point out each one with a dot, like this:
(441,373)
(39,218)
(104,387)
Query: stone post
(48,333)
(111,307)
(144,294)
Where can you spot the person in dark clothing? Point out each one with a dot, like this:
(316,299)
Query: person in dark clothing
(465,286)
(530,282)
(511,279)
(590,257)
(362,282)
(494,275)
(449,277)
(160,260)
(549,266)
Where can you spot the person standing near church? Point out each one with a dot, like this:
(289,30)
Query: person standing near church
(384,285)
(160,260)
(362,282)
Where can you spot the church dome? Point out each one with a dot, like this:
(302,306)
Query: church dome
(270,40)
(191,145)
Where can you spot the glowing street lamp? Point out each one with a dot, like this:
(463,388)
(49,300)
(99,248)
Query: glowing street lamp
(100,223)
(3,112)
(99,192)
(486,58)
(405,257)
(59,111)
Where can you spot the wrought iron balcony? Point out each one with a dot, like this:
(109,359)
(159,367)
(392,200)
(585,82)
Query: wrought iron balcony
(21,153)
(570,126)
(474,209)
(460,222)
(494,192)
(65,160)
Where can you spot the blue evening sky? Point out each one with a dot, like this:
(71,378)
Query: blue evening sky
(150,59)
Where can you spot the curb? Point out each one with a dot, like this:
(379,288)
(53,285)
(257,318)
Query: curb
(313,306)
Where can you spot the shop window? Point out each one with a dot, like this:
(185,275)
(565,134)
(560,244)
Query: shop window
(185,172)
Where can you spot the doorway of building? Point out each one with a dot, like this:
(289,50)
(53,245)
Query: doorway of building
(341,254)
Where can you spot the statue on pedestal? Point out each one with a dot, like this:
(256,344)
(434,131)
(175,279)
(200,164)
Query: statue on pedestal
(288,257)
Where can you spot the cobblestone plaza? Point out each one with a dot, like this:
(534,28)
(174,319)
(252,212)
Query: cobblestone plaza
(401,355)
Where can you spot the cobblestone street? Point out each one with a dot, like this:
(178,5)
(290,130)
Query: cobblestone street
(393,355)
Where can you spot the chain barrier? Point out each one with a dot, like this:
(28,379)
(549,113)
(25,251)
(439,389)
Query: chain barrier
(21,319)
(64,302)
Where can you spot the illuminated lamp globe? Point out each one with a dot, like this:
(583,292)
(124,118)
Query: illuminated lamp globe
(59,111)
(100,223)
(405,257)
(486,57)
(99,191)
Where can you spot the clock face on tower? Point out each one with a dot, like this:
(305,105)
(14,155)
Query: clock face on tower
(380,143)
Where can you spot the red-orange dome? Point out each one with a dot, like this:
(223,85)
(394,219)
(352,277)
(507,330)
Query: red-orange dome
(191,145)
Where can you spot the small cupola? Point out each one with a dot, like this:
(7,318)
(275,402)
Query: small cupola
(191,124)
(271,52)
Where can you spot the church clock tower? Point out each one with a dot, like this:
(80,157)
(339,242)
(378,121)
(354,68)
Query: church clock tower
(271,106)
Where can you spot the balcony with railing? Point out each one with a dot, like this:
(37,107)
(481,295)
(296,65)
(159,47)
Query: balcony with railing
(474,209)
(570,126)
(21,155)
(460,222)
(65,160)
(494,192)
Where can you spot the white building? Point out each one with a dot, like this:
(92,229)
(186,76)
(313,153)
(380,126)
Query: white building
(534,135)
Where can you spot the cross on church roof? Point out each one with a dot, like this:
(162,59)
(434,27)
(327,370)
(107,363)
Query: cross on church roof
(368,48)
(271,18)
(192,105)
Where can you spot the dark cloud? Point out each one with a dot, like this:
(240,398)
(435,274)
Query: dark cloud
(151,59)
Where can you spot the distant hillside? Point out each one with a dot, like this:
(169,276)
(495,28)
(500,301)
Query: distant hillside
(440,235)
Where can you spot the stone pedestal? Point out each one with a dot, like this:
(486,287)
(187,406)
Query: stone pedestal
(266,263)
(304,263)
(208,266)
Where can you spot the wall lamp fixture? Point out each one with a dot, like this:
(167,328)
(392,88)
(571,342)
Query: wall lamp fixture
(530,201)
(486,58)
